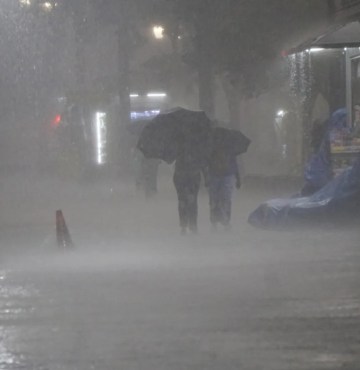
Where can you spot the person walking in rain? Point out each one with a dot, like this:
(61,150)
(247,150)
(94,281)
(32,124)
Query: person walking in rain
(223,176)
(187,179)
(181,136)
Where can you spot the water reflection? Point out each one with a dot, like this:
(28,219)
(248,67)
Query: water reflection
(14,305)
(8,359)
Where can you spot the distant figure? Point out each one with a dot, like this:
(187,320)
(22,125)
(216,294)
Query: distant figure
(187,178)
(146,173)
(317,135)
(288,136)
(223,176)
(318,170)
(150,169)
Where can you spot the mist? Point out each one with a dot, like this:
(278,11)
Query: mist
(121,282)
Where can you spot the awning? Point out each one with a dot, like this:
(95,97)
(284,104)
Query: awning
(337,37)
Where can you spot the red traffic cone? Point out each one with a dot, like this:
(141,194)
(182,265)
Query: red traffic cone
(62,233)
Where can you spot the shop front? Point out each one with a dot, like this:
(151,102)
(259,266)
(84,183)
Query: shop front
(343,38)
(345,140)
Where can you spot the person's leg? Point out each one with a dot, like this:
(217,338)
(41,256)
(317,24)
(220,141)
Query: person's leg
(180,186)
(214,186)
(192,194)
(215,202)
(153,172)
(225,194)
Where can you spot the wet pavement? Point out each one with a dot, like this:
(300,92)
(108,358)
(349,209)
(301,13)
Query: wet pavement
(132,298)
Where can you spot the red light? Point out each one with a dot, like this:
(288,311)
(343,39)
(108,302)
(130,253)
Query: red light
(56,121)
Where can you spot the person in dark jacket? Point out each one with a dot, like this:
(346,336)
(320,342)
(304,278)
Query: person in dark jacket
(223,176)
(187,179)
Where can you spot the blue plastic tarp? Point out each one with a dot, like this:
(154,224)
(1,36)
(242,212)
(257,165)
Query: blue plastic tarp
(318,171)
(339,198)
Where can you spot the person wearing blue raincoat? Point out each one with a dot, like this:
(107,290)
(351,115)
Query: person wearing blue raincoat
(337,201)
(318,171)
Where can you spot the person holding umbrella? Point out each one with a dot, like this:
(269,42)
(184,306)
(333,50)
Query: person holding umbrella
(180,136)
(224,173)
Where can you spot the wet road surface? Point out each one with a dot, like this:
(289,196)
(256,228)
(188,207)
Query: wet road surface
(133,297)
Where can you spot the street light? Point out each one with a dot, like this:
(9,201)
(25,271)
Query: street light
(47,6)
(158,32)
(281,113)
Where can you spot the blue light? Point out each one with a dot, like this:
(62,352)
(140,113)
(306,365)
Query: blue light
(148,114)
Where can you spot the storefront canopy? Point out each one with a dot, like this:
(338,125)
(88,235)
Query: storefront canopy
(347,35)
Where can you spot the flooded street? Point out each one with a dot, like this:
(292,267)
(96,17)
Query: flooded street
(137,295)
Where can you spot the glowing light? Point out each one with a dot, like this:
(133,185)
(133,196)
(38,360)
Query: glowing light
(315,50)
(134,95)
(280,113)
(157,95)
(158,32)
(25,2)
(56,121)
(47,6)
(100,122)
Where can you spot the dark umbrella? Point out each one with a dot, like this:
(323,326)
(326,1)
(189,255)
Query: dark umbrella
(167,132)
(232,141)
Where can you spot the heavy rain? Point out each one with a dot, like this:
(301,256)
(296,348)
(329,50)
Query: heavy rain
(179,184)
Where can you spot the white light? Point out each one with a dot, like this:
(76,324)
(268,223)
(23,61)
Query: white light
(156,95)
(158,32)
(315,50)
(47,6)
(100,137)
(25,2)
(280,113)
(134,95)
(345,49)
